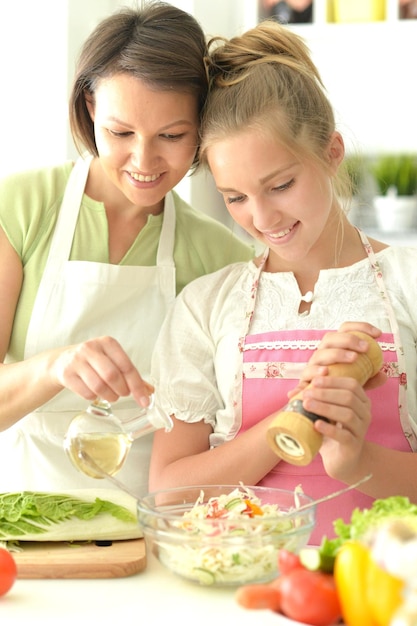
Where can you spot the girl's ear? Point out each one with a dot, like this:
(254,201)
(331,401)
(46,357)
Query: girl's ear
(89,103)
(336,151)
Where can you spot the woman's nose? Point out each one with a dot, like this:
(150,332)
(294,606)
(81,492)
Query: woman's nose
(143,154)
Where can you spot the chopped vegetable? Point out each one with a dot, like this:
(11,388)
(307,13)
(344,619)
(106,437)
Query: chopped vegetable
(316,559)
(69,516)
(231,539)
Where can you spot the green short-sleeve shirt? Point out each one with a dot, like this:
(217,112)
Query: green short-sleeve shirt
(29,206)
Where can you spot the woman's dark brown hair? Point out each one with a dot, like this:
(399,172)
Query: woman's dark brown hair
(159,44)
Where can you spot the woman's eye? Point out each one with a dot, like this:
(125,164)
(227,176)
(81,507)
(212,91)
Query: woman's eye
(173,137)
(117,133)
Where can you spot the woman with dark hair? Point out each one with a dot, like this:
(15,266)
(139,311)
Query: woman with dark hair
(93,254)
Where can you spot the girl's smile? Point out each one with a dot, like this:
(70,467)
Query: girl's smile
(285,204)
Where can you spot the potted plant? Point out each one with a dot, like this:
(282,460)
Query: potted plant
(355,166)
(395,199)
(360,208)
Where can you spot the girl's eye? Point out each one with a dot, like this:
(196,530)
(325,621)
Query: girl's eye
(285,186)
(233,199)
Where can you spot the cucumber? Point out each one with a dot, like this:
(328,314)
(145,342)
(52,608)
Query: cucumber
(234,503)
(313,559)
(204,576)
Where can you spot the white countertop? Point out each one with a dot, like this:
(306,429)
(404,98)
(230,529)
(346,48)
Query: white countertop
(153,594)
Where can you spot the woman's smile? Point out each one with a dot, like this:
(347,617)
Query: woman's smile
(146,138)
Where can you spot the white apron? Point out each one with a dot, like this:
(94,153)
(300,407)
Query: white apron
(76,301)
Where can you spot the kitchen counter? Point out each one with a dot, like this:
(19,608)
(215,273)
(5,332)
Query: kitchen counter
(154,594)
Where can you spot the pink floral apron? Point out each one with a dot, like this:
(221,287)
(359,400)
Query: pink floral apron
(272,364)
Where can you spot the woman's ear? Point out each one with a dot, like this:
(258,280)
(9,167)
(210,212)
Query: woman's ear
(336,151)
(89,103)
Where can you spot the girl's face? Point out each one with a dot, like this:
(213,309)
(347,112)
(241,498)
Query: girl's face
(146,138)
(283,203)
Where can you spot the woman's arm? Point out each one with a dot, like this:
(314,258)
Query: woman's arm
(98,367)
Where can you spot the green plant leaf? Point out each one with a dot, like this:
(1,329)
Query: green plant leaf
(398,171)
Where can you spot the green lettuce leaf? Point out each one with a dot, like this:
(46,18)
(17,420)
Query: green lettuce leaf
(365,520)
(43,516)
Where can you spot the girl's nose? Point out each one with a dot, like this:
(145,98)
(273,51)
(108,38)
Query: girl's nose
(264,216)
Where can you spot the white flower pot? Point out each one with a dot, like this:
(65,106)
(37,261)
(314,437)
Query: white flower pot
(395,214)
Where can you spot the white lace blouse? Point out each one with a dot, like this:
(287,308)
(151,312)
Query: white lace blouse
(197,363)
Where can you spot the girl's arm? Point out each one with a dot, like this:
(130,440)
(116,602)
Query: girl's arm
(184,457)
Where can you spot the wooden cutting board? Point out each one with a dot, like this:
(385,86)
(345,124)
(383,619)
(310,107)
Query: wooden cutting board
(66,560)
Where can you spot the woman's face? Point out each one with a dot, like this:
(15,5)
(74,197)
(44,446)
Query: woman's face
(146,138)
(283,203)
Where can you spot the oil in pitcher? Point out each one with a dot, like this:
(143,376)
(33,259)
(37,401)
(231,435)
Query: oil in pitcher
(97,434)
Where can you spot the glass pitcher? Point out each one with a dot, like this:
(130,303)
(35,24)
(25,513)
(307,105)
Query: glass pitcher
(97,440)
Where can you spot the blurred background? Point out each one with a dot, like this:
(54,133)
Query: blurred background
(366,51)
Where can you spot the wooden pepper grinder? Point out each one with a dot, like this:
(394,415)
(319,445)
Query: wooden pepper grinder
(291,433)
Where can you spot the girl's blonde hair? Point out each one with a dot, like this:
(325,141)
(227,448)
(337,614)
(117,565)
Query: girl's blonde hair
(266,80)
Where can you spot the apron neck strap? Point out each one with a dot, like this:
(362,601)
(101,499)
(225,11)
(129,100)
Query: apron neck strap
(70,208)
(67,219)
(165,254)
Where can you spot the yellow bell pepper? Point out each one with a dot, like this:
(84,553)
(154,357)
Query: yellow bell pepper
(350,573)
(369,595)
(384,593)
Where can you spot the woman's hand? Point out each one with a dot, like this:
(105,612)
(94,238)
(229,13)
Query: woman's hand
(99,367)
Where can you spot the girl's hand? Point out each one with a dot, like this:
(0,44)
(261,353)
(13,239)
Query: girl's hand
(99,368)
(345,404)
(340,347)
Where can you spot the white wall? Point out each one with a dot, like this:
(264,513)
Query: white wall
(39,41)
(370,78)
(33,39)
(369,73)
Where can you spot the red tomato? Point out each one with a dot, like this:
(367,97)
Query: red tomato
(8,571)
(287,561)
(310,597)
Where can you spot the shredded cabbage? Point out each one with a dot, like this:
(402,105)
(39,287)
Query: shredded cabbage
(227,542)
